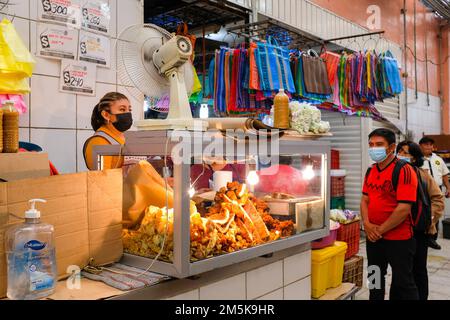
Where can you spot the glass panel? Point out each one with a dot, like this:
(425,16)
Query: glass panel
(242,204)
(294,190)
(235,204)
(148,226)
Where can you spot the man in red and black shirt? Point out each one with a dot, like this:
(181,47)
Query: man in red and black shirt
(386,213)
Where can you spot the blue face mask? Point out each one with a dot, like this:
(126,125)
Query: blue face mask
(404,159)
(378,154)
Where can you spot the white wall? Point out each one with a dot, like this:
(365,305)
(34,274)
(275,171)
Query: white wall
(59,122)
(423,119)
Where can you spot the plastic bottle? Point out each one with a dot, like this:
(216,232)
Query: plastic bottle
(10,127)
(281,110)
(30,252)
(204,111)
(1,130)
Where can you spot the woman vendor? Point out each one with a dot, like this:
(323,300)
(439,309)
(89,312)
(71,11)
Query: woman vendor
(111,117)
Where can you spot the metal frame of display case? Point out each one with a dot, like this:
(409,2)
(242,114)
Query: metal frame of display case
(153,143)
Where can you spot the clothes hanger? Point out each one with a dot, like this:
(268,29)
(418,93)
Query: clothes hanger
(6,4)
(3,4)
(367,41)
(376,44)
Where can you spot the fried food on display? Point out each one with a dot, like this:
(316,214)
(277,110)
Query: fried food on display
(237,220)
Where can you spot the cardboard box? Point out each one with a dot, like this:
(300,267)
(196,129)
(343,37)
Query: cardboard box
(84,208)
(24,165)
(105,215)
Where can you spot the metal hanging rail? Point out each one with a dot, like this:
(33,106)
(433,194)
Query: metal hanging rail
(259,30)
(354,36)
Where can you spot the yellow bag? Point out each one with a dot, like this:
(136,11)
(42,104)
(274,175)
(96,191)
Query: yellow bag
(197,87)
(11,84)
(15,59)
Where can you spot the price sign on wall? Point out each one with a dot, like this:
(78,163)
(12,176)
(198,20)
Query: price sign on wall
(96,16)
(62,11)
(78,77)
(94,48)
(56,42)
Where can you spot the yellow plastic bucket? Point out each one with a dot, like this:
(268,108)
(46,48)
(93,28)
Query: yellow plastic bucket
(327,268)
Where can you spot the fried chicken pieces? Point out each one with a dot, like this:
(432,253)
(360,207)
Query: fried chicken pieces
(236,221)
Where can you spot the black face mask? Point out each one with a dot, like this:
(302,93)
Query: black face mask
(124,121)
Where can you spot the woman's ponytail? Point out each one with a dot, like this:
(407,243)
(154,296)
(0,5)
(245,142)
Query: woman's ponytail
(97,120)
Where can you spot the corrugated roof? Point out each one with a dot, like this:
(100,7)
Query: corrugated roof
(440,7)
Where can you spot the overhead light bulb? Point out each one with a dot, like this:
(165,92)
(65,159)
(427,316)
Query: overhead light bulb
(252,178)
(191,192)
(308,173)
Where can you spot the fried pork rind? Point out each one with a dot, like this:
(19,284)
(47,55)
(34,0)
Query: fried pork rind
(238,220)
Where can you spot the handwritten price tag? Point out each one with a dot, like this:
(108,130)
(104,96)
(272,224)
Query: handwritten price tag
(96,16)
(57,42)
(62,11)
(78,77)
(95,48)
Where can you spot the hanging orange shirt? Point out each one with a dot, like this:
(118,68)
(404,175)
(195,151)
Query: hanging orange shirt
(109,162)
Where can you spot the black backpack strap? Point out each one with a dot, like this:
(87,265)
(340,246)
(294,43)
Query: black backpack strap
(367,173)
(396,173)
(422,189)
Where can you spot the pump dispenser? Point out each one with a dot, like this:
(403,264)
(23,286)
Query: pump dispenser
(33,213)
(31,257)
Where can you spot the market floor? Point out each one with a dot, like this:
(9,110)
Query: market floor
(438,272)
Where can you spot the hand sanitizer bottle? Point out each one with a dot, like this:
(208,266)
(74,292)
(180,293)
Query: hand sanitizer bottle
(30,252)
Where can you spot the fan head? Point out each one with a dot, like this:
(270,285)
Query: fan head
(173,54)
(136,48)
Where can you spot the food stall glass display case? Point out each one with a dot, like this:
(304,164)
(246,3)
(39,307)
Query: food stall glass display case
(231,197)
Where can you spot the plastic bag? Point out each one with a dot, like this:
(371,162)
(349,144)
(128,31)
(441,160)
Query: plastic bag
(315,74)
(392,73)
(11,84)
(274,67)
(332,62)
(15,59)
(254,76)
(19,103)
(197,84)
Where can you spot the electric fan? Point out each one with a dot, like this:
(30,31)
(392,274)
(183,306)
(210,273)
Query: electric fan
(154,63)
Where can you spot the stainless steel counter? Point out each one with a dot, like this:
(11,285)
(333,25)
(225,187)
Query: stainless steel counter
(177,287)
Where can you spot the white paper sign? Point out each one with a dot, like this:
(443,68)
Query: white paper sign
(94,48)
(62,11)
(78,77)
(96,16)
(57,42)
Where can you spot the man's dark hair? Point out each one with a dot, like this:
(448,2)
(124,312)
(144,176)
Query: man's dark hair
(387,134)
(426,140)
(414,151)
